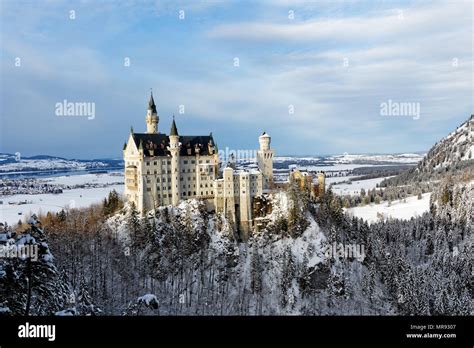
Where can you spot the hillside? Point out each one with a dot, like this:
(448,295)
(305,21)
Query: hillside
(450,152)
(450,155)
(16,163)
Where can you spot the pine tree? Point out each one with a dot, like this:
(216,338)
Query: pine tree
(256,270)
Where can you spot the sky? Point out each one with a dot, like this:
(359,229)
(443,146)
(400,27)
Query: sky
(312,74)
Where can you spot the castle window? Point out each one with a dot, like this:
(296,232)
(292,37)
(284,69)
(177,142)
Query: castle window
(194,193)
(193,162)
(189,193)
(147,163)
(185,162)
(154,163)
(169,162)
(148,189)
(207,193)
(184,186)
(200,161)
(194,170)
(184,193)
(207,161)
(154,172)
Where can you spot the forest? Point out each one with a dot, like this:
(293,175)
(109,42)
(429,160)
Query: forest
(109,260)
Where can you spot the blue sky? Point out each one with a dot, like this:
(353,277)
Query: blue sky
(332,62)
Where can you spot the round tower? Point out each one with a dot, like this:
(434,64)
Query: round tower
(264,141)
(174,149)
(151,117)
(265,160)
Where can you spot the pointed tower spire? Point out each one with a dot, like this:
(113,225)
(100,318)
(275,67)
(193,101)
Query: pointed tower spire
(174,130)
(151,103)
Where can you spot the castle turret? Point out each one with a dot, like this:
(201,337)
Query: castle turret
(229,196)
(321,184)
(151,117)
(174,149)
(265,160)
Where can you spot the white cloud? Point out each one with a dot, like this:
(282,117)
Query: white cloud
(386,25)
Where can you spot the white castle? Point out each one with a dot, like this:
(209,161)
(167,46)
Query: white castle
(165,169)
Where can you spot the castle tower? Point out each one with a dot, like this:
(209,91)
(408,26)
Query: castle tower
(229,201)
(245,205)
(321,183)
(151,117)
(174,149)
(265,160)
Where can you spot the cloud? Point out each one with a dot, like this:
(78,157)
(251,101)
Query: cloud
(283,63)
(385,25)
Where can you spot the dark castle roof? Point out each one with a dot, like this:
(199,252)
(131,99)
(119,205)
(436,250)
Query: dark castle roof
(160,142)
(151,104)
(174,130)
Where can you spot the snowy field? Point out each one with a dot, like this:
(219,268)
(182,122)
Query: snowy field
(405,158)
(107,178)
(338,167)
(337,179)
(356,186)
(48,164)
(75,198)
(398,210)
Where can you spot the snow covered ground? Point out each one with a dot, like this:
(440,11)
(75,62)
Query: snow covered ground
(398,210)
(106,178)
(405,158)
(74,198)
(355,186)
(49,164)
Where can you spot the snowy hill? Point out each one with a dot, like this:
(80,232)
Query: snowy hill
(404,158)
(15,163)
(457,147)
(451,155)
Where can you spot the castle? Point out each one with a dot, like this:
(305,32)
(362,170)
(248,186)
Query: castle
(163,169)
